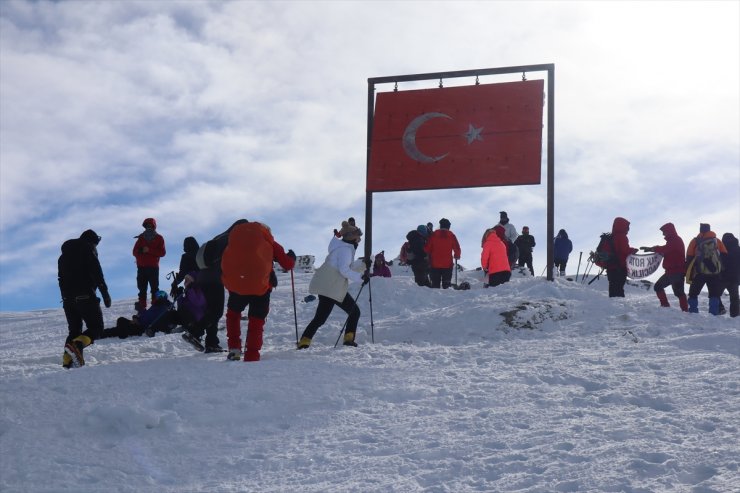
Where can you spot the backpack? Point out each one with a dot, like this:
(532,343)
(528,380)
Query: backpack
(707,258)
(410,255)
(210,253)
(605,255)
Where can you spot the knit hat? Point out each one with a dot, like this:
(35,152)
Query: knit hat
(704,228)
(349,232)
(504,214)
(444,223)
(151,221)
(90,236)
(423,231)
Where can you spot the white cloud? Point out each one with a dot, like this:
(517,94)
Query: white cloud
(199,113)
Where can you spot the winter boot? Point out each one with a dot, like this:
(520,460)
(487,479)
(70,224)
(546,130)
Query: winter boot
(140,305)
(214,349)
(349,339)
(683,303)
(663,298)
(235,354)
(233,329)
(304,343)
(714,306)
(74,349)
(255,328)
(693,304)
(193,341)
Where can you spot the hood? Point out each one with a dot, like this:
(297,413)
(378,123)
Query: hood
(669,230)
(620,226)
(729,240)
(337,243)
(190,245)
(563,234)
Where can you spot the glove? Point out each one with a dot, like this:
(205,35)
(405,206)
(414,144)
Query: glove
(365,278)
(647,249)
(141,250)
(106,298)
(291,254)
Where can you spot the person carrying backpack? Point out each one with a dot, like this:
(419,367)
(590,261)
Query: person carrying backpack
(616,270)
(730,275)
(148,249)
(247,270)
(207,279)
(416,257)
(562,246)
(674,263)
(442,247)
(331,283)
(525,243)
(704,258)
(80,275)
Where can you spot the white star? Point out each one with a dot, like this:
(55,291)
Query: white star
(473,134)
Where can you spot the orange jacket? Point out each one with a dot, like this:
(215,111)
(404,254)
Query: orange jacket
(247,260)
(494,258)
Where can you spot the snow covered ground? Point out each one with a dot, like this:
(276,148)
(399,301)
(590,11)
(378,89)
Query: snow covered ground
(533,386)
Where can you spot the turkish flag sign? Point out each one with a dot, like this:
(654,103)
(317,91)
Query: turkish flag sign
(470,136)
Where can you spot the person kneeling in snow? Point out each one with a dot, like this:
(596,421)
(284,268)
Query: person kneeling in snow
(380,266)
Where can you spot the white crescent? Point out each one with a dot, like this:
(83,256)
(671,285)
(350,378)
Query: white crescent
(409,138)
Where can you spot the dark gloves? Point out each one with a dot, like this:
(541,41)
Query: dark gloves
(291,254)
(106,297)
(365,278)
(647,249)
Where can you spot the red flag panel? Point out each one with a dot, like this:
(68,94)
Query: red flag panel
(471,136)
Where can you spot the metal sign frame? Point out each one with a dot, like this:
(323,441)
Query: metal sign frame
(523,69)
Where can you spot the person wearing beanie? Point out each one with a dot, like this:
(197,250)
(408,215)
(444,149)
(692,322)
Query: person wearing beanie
(525,243)
(331,283)
(380,266)
(80,275)
(730,275)
(616,273)
(674,263)
(430,229)
(416,257)
(705,257)
(442,246)
(247,267)
(148,249)
(562,246)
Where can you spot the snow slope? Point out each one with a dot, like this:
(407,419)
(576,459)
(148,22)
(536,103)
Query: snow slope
(533,386)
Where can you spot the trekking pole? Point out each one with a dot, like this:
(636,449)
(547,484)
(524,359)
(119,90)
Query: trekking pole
(580,254)
(295,312)
(345,322)
(596,278)
(589,265)
(372,325)
(455,272)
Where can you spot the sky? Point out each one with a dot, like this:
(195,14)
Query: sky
(201,113)
(532,386)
